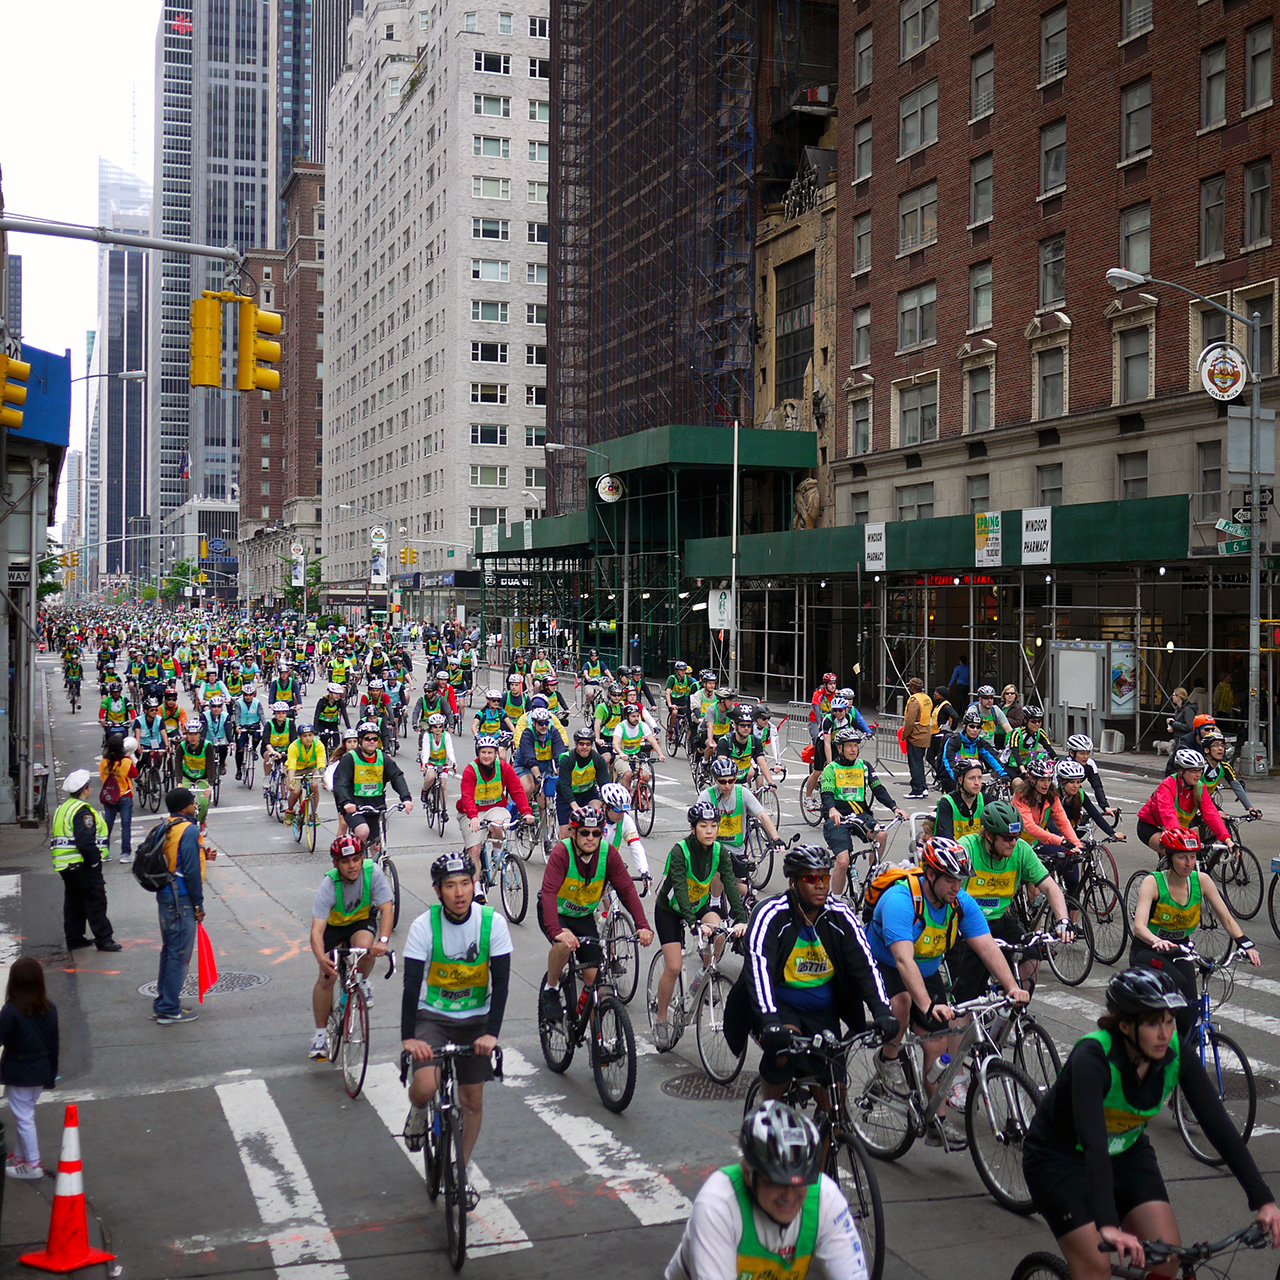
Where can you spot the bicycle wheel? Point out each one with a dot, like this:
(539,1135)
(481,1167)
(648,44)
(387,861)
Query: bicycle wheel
(1105,908)
(1131,887)
(1273,908)
(613,1054)
(1034,1052)
(1042,1266)
(811,806)
(759,856)
(355,1042)
(1241,881)
(769,803)
(882,1119)
(442,810)
(299,820)
(857,1179)
(645,804)
(313,823)
(513,888)
(718,1060)
(272,797)
(997,1115)
(1210,938)
(1231,1075)
(454,1166)
(1105,865)
(673,738)
(675,1009)
(557,1043)
(333,1028)
(216,787)
(389,870)
(1071,961)
(525,837)
(622,955)
(250,763)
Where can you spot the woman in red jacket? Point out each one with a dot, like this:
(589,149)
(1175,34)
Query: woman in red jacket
(1179,800)
(1035,796)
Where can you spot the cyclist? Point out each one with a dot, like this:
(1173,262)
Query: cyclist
(250,719)
(115,714)
(193,764)
(572,887)
(746,751)
(362,777)
(515,704)
(677,692)
(763,732)
(540,668)
(606,718)
(841,714)
(149,728)
(1218,772)
(277,734)
(218,728)
(1076,803)
(944,721)
(914,925)
(306,758)
(630,739)
(457,973)
(538,751)
(1029,740)
(487,786)
(342,916)
(620,829)
(594,672)
(969,744)
(808,968)
(717,720)
(1090,1168)
(1035,796)
(850,786)
(331,714)
(285,687)
(1179,800)
(490,718)
(995,724)
(1170,905)
(700,702)
(773,1214)
(820,703)
(583,773)
(1080,749)
(73,672)
(175,717)
(435,755)
(555,703)
(736,806)
(684,898)
(959,812)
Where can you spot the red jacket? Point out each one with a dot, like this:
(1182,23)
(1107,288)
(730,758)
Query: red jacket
(818,694)
(1162,811)
(511,787)
(616,874)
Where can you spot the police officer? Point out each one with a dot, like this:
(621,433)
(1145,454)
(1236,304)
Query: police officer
(79,839)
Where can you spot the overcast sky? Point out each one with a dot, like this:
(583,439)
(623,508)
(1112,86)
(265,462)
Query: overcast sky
(78,86)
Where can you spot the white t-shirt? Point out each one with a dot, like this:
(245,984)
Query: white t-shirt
(424,749)
(630,842)
(709,1248)
(459,942)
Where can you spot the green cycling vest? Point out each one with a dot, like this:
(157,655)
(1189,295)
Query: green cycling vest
(1125,1122)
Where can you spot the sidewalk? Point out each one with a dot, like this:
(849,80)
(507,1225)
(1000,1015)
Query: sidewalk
(1141,764)
(25,1208)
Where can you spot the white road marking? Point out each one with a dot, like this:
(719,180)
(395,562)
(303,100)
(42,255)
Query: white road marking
(10,924)
(285,1197)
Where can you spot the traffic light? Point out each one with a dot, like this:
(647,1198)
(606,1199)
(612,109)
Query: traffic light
(13,377)
(404,555)
(256,352)
(75,559)
(413,555)
(62,560)
(206,342)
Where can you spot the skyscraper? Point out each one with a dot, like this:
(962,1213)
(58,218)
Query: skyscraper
(14,309)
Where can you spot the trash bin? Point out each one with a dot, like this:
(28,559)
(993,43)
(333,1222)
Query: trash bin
(40,785)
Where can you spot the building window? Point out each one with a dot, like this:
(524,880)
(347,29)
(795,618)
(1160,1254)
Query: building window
(535,437)
(491,188)
(793,326)
(538,28)
(535,273)
(1135,239)
(860,426)
(1051,382)
(862,151)
(1049,485)
(266,442)
(498,64)
(862,242)
(265,463)
(979,492)
(980,6)
(859,507)
(1053,43)
(488,393)
(978,398)
(504,23)
(535,313)
(538,232)
(918,118)
(862,58)
(1213,328)
(491,312)
(540,152)
(918,413)
(539,110)
(490,229)
(536,396)
(535,477)
(538,192)
(980,295)
(494,148)
(1213,200)
(468,22)
(982,83)
(535,355)
(1213,86)
(1135,364)
(916,315)
(539,68)
(1135,119)
(1257,59)
(483,517)
(1053,271)
(917,218)
(489,353)
(1264,304)
(1257,204)
(1209,461)
(488,433)
(483,477)
(1132,469)
(490,269)
(980,188)
(914,501)
(1136,16)
(919,24)
(1053,157)
(484,104)
(862,335)
(266,488)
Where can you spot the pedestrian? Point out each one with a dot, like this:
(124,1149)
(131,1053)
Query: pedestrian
(181,906)
(959,683)
(917,730)
(78,841)
(117,771)
(28,1060)
(1011,705)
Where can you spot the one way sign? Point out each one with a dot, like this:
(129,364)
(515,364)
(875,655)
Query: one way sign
(1242,515)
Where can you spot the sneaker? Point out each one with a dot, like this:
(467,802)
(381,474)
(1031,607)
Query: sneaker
(959,1094)
(662,1036)
(891,1075)
(549,1008)
(27,1172)
(155,1016)
(917,795)
(367,988)
(319,1045)
(126,858)
(942,1133)
(415,1129)
(479,896)
(183,1015)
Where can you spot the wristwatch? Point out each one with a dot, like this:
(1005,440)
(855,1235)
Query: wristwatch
(384,941)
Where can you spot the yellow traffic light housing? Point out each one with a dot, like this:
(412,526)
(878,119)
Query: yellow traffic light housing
(413,555)
(404,555)
(75,559)
(206,341)
(13,377)
(255,351)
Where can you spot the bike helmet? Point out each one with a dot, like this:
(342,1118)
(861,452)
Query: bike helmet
(367,726)
(1138,991)
(723,767)
(682,666)
(724,692)
(1032,712)
(1079,742)
(614,691)
(616,796)
(195,726)
(550,680)
(1179,840)
(1212,734)
(588,818)
(151,704)
(540,716)
(337,690)
(1200,721)
(437,720)
(486,740)
(986,691)
(443,676)
(1069,771)
(1188,758)
(847,734)
(344,846)
(947,857)
(583,734)
(806,858)
(375,683)
(706,674)
(249,688)
(450,864)
(349,734)
(829,677)
(971,718)
(1038,767)
(839,703)
(782,1144)
(762,712)
(217,700)
(743,715)
(130,745)
(702,811)
(305,726)
(493,695)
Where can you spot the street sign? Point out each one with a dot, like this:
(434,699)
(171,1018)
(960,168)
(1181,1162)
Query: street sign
(1234,530)
(720,610)
(296,549)
(1266,496)
(378,536)
(1235,548)
(19,575)
(1242,515)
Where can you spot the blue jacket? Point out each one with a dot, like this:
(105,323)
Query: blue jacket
(190,886)
(979,748)
(526,759)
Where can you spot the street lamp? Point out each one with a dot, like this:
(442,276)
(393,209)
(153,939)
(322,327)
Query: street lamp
(125,375)
(1118,278)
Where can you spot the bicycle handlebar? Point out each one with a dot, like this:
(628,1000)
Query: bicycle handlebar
(446,1051)
(356,952)
(1254,1236)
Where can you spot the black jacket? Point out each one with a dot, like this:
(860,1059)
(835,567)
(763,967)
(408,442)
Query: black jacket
(774,926)
(29,1048)
(344,782)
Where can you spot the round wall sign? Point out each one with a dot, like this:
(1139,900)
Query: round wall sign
(609,488)
(1223,370)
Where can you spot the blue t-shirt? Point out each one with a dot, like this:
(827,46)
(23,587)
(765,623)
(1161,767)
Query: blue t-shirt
(895,921)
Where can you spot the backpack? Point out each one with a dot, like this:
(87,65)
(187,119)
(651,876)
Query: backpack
(150,865)
(890,876)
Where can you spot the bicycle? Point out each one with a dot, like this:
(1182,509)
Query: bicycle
(348,1025)
(150,784)
(1070,961)
(1099,897)
(855,889)
(308,802)
(810,802)
(433,801)
(500,867)
(73,695)
(247,745)
(677,730)
(376,847)
(1237,870)
(702,1002)
(619,939)
(758,851)
(273,790)
(998,1110)
(1210,938)
(1191,1258)
(854,1173)
(1020,1037)
(767,794)
(643,786)
(613,1042)
(445,1162)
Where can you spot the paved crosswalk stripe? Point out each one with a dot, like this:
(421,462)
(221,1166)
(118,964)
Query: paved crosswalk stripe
(10,924)
(284,1193)
(492,1228)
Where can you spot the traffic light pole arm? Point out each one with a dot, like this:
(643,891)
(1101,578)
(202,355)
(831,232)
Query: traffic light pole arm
(104,235)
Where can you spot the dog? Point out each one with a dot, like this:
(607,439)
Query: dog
(1164,748)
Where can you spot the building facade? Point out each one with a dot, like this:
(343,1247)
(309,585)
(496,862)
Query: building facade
(13,296)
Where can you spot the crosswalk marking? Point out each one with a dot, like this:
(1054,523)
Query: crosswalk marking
(10,925)
(299,1237)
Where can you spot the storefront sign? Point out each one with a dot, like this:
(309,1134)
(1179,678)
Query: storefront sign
(986,539)
(873,545)
(1037,535)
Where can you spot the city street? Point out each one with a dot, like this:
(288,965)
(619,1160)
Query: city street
(219,1149)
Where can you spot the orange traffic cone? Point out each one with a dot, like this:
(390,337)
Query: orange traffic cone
(68,1248)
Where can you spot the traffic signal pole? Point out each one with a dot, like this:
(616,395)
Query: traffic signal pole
(104,235)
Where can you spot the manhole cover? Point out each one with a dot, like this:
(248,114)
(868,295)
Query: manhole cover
(226,982)
(695,1087)
(1268,1086)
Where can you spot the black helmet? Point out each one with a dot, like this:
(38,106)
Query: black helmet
(1038,767)
(781,1143)
(450,864)
(702,811)
(972,716)
(804,858)
(743,715)
(1138,991)
(615,691)
(583,734)
(588,818)
(1001,819)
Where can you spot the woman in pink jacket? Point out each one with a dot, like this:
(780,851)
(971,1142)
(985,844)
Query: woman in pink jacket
(1179,800)
(1035,796)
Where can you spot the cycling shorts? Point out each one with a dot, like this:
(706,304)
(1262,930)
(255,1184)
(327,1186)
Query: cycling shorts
(582,927)
(437,1030)
(340,935)
(934,984)
(803,1064)
(670,927)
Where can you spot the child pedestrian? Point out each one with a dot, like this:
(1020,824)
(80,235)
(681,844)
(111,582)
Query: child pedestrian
(28,1060)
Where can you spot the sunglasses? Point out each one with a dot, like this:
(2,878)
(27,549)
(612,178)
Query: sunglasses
(817,878)
(590,835)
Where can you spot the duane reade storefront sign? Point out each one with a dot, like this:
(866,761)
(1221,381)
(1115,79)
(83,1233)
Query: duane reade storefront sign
(1037,535)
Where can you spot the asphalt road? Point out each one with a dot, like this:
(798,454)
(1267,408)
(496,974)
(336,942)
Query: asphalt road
(219,1149)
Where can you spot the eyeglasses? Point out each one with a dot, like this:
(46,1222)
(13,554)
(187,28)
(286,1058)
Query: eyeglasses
(590,835)
(817,877)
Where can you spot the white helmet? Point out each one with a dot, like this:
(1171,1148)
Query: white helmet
(337,690)
(130,744)
(279,706)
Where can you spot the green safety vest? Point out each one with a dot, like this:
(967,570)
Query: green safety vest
(964,826)
(1172,920)
(458,986)
(632,737)
(579,895)
(366,776)
(1124,1122)
(755,1262)
(699,890)
(62,842)
(363,910)
(733,825)
(848,782)
(583,778)
(437,752)
(195,766)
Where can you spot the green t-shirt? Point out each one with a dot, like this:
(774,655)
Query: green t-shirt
(996,880)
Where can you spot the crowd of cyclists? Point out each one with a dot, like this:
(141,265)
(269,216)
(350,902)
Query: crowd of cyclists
(900,946)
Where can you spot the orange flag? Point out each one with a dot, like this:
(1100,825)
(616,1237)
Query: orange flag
(207,973)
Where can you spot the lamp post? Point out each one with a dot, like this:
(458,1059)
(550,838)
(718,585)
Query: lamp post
(1120,279)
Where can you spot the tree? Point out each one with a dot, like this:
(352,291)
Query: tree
(50,579)
(149,592)
(293,596)
(181,575)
